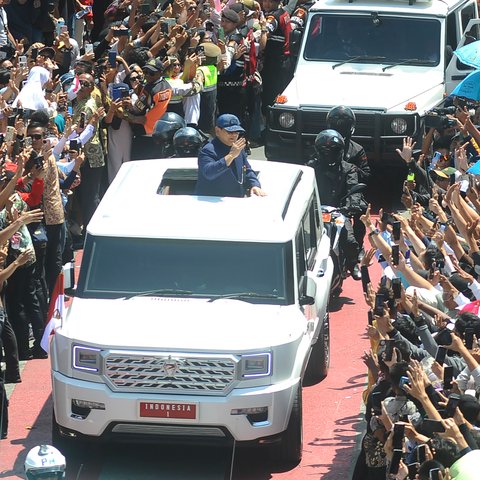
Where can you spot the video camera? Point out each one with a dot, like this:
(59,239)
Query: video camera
(437,118)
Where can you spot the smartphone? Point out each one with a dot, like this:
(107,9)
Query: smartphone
(124,93)
(436,157)
(10,134)
(429,426)
(58,27)
(221,34)
(395,254)
(434,474)
(145,8)
(27,142)
(370,317)
(413,469)
(112,58)
(34,53)
(421,453)
(441,354)
(447,377)
(395,463)
(123,32)
(11,120)
(116,94)
(464,186)
(63,29)
(22,60)
(88,48)
(389,344)
(74,145)
(170,21)
(164,28)
(404,381)
(379,309)
(396,230)
(468,336)
(411,177)
(376,403)
(453,179)
(70,110)
(453,401)
(365,278)
(82,120)
(397,288)
(398,435)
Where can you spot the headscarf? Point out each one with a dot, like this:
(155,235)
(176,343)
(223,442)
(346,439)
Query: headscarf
(32,96)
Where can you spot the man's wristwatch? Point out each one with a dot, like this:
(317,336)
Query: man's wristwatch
(374,232)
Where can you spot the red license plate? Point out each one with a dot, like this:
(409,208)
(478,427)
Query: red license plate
(168,410)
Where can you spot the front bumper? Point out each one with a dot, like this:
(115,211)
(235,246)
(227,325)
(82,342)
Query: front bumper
(372,132)
(121,416)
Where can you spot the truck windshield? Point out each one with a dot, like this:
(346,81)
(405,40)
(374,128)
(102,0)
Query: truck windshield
(121,267)
(373,39)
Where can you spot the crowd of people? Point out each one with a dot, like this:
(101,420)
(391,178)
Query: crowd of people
(422,409)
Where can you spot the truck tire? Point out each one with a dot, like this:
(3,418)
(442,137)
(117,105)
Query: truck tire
(289,450)
(319,362)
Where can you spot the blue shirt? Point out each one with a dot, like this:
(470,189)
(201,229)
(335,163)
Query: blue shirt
(215,178)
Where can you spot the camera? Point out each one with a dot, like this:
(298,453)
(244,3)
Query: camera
(439,122)
(445,110)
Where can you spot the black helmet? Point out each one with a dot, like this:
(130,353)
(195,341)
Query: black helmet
(329,145)
(187,142)
(342,119)
(165,128)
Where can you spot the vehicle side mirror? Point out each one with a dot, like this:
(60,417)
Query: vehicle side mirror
(308,290)
(295,41)
(69,278)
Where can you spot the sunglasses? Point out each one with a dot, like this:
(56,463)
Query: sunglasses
(84,83)
(136,77)
(192,8)
(176,65)
(36,136)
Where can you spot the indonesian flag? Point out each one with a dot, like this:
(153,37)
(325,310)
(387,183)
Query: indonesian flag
(55,313)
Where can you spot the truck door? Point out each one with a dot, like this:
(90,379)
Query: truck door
(456,71)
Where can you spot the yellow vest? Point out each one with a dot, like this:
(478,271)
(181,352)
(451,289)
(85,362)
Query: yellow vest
(210,74)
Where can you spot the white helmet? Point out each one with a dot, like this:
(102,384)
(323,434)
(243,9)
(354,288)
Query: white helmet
(45,462)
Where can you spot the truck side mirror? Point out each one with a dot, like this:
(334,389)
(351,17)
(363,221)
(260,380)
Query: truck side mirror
(295,41)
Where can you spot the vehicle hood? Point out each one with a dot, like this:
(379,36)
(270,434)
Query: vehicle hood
(361,86)
(182,324)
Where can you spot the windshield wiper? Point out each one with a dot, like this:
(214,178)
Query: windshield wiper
(409,61)
(245,295)
(358,57)
(159,292)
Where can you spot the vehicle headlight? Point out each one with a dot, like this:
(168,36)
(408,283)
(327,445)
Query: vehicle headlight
(86,358)
(256,365)
(399,126)
(286,120)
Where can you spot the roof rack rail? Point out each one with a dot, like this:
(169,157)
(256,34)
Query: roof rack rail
(295,183)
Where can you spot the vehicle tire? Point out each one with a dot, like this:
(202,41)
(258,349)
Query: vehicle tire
(289,450)
(319,362)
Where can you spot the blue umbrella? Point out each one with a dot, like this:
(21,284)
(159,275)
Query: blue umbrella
(469,87)
(475,169)
(469,54)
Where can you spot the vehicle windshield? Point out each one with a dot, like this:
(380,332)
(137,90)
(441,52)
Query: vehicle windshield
(373,39)
(123,267)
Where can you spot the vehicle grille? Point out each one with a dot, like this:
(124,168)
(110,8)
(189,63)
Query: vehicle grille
(169,430)
(169,374)
(314,122)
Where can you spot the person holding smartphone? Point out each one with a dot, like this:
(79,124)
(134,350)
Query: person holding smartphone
(223,168)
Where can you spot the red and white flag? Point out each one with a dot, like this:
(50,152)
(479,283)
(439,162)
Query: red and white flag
(55,313)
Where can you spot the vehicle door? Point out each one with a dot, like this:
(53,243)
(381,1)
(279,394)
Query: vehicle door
(319,267)
(456,71)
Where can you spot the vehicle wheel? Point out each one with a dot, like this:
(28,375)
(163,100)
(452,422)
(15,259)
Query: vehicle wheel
(289,451)
(319,361)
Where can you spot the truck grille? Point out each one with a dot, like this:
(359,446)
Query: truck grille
(315,121)
(177,374)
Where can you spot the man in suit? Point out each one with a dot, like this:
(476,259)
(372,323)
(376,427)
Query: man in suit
(223,168)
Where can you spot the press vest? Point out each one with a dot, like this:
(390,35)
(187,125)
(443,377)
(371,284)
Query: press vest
(210,75)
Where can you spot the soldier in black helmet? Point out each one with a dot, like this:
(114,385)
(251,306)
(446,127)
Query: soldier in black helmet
(342,119)
(335,178)
(187,142)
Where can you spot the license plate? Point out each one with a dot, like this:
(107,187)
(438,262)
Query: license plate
(186,411)
(326,217)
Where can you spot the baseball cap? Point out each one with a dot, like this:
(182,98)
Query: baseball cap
(48,52)
(153,65)
(229,122)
